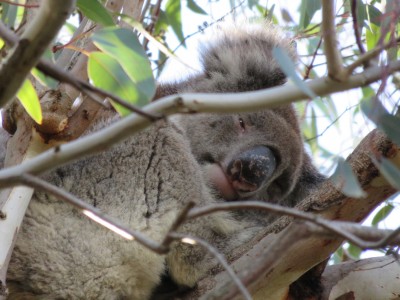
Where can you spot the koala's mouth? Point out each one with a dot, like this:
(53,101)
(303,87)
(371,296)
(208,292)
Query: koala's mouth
(220,182)
(229,190)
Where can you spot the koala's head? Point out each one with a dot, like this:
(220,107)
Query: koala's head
(249,155)
(255,155)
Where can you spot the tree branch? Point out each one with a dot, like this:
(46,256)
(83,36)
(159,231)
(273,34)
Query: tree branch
(366,57)
(278,272)
(373,278)
(34,41)
(220,258)
(188,103)
(353,5)
(333,57)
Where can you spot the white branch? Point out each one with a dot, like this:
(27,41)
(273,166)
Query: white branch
(186,103)
(374,278)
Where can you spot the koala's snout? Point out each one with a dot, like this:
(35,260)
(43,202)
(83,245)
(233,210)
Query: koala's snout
(249,170)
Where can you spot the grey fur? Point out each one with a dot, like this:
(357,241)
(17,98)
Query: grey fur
(145,181)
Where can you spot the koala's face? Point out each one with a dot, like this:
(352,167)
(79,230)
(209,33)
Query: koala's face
(254,156)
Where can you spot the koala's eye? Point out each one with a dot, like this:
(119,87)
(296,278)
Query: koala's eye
(241,123)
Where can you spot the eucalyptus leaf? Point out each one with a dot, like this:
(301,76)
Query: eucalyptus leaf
(11,15)
(389,171)
(382,214)
(345,180)
(106,73)
(289,68)
(194,7)
(95,11)
(123,45)
(307,10)
(378,114)
(391,126)
(30,101)
(374,15)
(44,79)
(354,251)
(373,109)
(174,16)
(41,77)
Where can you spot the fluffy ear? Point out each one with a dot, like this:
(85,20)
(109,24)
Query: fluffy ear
(237,58)
(243,56)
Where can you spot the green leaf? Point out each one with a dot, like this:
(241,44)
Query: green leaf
(374,15)
(372,36)
(173,13)
(354,251)
(373,109)
(30,101)
(95,11)
(307,10)
(162,23)
(252,3)
(345,180)
(314,132)
(391,126)
(289,68)
(107,73)
(389,171)
(338,256)
(42,78)
(4,10)
(123,46)
(388,123)
(269,14)
(10,16)
(195,8)
(382,214)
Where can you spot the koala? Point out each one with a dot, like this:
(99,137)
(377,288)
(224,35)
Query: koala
(146,180)
(257,155)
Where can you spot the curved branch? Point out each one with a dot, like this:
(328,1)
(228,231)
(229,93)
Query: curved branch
(187,103)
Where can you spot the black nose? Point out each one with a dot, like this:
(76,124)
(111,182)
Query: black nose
(251,169)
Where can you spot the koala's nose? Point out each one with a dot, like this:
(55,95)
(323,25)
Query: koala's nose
(251,169)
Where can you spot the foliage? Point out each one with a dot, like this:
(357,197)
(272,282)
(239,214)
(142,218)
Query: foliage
(332,126)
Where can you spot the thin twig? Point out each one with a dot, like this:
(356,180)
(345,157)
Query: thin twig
(220,259)
(273,208)
(88,89)
(372,238)
(310,66)
(353,4)
(332,123)
(180,219)
(369,55)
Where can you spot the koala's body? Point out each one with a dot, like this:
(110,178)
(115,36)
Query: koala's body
(145,181)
